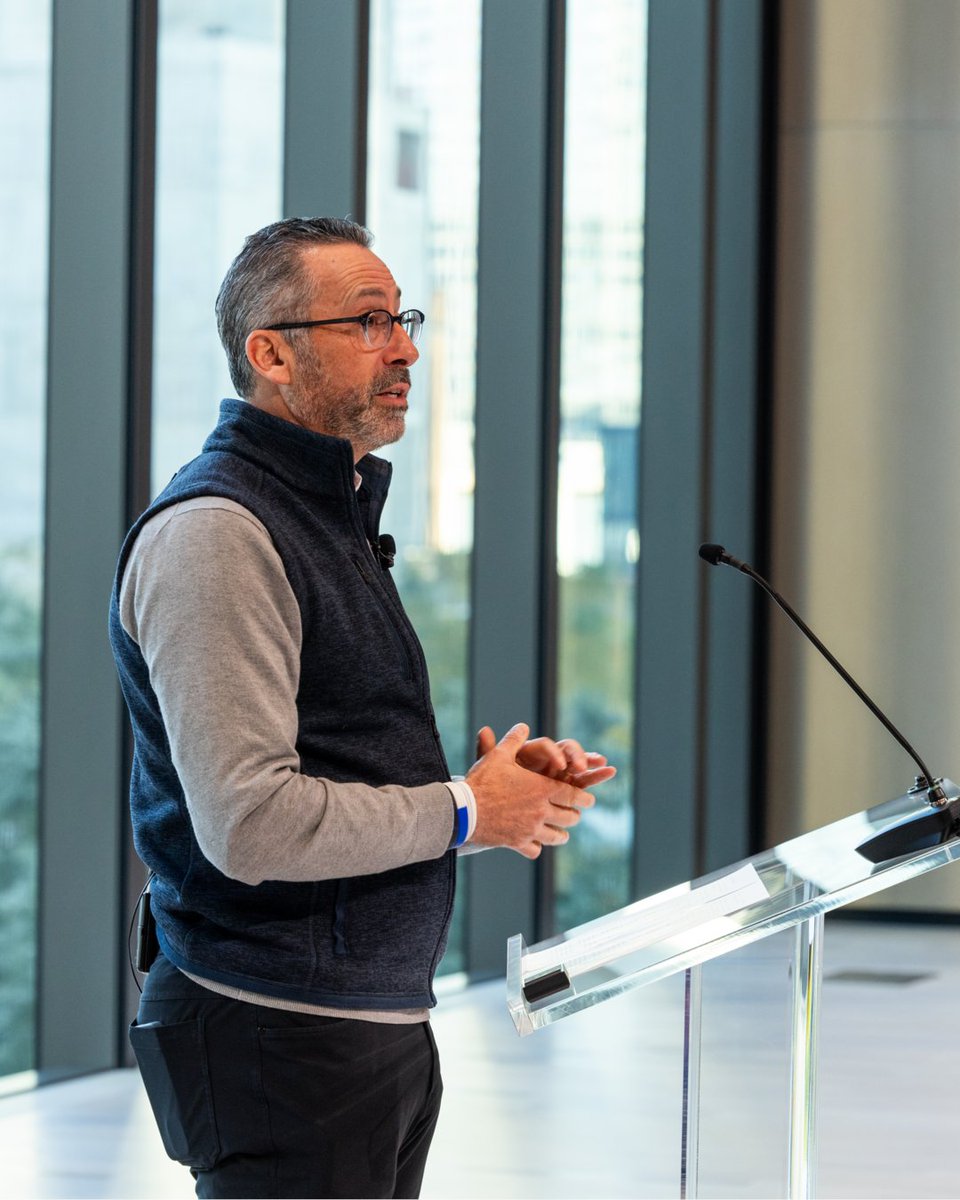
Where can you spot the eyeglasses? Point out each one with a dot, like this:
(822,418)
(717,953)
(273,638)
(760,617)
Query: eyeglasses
(377,325)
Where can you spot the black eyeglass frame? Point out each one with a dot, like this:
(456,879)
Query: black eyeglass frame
(408,314)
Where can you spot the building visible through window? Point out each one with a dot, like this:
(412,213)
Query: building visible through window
(408,159)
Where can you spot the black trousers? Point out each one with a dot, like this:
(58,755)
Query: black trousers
(259,1102)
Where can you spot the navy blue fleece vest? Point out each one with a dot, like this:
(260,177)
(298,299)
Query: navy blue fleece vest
(364,715)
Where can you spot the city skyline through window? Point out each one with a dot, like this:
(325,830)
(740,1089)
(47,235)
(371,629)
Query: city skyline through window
(600,350)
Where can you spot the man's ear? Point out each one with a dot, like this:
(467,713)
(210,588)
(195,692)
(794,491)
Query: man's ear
(269,355)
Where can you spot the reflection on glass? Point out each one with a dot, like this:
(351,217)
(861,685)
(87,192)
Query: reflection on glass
(24,124)
(422,207)
(219,143)
(597,542)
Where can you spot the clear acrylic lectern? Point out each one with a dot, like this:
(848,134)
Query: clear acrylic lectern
(787,891)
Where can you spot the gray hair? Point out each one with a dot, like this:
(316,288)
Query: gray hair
(266,283)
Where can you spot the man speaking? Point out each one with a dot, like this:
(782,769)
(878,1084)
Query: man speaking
(289,792)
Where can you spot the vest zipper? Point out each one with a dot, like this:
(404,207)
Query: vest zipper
(389,585)
(394,632)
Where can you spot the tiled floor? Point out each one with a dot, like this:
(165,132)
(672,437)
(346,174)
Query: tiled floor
(590,1107)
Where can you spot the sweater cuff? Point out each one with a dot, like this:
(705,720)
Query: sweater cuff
(464,811)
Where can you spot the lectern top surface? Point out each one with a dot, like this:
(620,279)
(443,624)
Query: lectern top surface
(707,917)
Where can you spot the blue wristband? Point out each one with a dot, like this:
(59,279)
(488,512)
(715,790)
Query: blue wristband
(463,825)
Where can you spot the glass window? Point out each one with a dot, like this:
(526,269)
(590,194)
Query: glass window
(25,35)
(423,171)
(597,540)
(408,160)
(219,178)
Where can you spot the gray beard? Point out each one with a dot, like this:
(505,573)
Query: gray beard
(363,421)
(356,416)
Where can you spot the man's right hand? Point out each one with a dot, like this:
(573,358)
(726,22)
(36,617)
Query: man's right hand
(519,808)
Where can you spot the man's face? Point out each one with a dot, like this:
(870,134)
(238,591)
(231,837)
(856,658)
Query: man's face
(339,386)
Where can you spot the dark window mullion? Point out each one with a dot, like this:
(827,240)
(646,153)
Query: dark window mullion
(506,647)
(86,501)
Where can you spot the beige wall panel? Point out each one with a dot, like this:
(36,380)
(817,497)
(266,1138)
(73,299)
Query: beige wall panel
(866,515)
(870,61)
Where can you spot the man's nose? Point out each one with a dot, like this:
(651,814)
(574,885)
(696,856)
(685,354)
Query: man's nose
(400,350)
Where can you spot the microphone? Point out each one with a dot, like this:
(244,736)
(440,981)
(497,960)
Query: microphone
(385,549)
(918,831)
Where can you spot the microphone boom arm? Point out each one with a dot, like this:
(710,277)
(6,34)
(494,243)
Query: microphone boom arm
(714,554)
